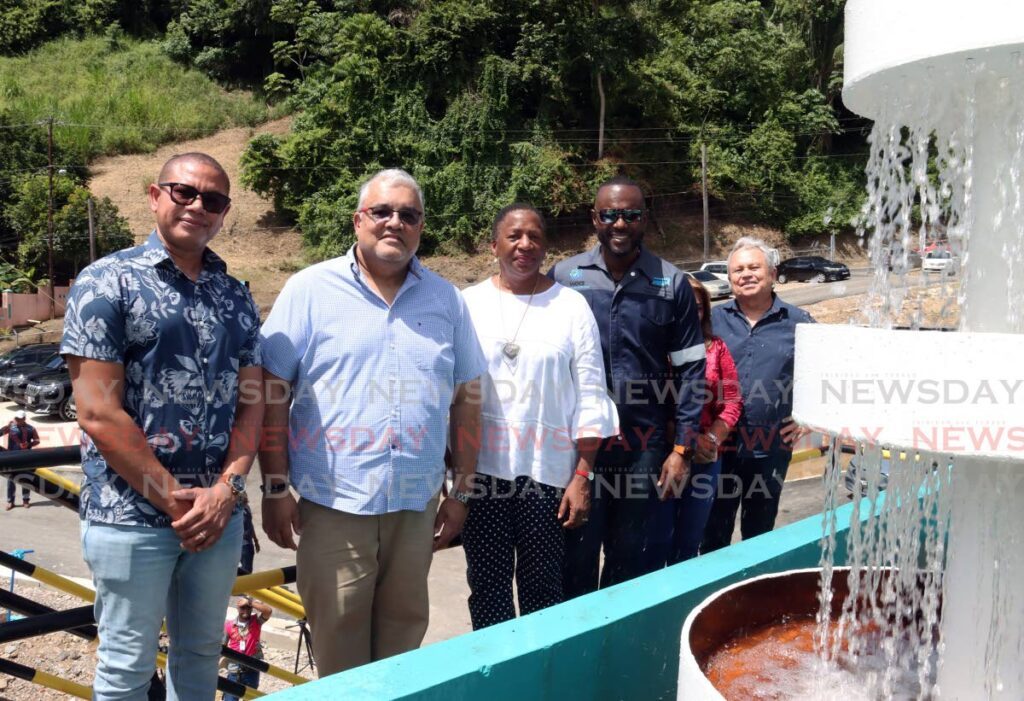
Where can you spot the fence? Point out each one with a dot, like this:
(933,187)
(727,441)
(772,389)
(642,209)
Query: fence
(21,309)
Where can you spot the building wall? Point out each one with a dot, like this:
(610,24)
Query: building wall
(19,308)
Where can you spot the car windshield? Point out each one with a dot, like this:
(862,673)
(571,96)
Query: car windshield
(938,254)
(704,276)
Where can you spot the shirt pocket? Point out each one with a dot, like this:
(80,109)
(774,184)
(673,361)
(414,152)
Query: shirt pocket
(657,312)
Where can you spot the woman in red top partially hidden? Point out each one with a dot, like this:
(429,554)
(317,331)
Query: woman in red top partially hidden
(722,408)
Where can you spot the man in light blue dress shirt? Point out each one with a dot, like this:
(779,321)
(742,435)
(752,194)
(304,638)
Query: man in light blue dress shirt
(371,362)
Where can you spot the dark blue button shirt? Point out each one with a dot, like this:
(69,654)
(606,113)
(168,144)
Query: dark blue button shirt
(652,344)
(182,344)
(764,363)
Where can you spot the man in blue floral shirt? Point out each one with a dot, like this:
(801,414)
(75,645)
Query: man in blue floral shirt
(163,349)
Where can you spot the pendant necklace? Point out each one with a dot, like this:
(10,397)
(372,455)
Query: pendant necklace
(511,349)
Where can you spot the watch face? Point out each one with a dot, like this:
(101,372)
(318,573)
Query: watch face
(237,483)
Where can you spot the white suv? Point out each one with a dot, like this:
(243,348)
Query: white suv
(718,268)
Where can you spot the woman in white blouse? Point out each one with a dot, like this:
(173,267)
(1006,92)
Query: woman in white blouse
(545,409)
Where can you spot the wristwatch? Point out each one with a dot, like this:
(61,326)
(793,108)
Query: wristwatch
(236,483)
(464,498)
(684,450)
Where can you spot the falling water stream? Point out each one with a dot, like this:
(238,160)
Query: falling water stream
(887,641)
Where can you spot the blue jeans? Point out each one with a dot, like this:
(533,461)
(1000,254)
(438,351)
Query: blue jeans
(626,518)
(141,574)
(249,677)
(751,485)
(692,510)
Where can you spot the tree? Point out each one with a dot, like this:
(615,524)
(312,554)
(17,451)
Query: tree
(27,217)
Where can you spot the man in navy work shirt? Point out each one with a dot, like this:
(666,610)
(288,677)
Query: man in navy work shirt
(163,349)
(654,356)
(759,329)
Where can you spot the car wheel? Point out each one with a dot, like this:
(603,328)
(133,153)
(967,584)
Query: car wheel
(783,278)
(820,277)
(67,410)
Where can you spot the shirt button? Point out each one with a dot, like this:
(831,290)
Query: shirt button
(206,361)
(209,398)
(632,273)
(394,447)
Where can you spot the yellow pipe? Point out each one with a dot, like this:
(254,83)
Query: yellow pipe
(285,675)
(67,686)
(258,580)
(65,585)
(280,603)
(290,595)
(55,479)
(805,454)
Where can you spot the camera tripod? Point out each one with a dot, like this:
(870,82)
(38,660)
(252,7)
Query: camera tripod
(304,640)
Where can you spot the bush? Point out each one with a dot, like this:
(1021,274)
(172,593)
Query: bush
(120,97)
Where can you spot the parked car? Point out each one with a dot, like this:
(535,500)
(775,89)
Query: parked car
(34,354)
(13,382)
(811,268)
(50,393)
(717,288)
(940,260)
(718,268)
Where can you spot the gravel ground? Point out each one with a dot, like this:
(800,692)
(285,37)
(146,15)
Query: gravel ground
(73,658)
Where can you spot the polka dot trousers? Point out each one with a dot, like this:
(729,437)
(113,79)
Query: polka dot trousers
(513,530)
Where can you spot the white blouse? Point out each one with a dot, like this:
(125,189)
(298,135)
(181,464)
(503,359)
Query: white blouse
(537,404)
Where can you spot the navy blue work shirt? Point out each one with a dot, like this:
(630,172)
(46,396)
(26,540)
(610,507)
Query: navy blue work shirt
(182,344)
(764,363)
(652,344)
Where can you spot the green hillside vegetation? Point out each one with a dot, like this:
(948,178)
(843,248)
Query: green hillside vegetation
(119,95)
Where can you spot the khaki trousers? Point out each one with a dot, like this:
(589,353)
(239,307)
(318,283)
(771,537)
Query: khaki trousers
(363,582)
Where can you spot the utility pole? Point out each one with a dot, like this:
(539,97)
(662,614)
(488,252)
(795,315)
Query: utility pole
(92,233)
(704,196)
(49,213)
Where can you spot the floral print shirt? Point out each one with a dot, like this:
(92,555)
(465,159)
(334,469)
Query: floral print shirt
(182,344)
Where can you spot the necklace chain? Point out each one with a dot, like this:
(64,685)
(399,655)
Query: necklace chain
(511,349)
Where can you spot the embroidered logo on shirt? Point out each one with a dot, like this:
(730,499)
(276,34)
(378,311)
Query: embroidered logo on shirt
(575,274)
(661,281)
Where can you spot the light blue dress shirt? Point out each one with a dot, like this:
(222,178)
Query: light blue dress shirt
(372,384)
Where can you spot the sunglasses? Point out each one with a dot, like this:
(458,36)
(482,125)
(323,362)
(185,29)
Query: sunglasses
(382,213)
(213,202)
(610,216)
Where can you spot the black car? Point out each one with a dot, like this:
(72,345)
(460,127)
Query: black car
(813,268)
(13,382)
(50,393)
(34,354)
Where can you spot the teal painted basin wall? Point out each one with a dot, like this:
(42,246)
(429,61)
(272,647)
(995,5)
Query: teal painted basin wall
(617,643)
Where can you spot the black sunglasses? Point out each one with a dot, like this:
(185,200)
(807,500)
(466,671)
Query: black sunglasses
(610,216)
(213,202)
(382,213)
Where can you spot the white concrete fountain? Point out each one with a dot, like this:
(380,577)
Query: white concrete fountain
(952,69)
(943,80)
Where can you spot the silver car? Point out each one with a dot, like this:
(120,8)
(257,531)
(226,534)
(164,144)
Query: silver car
(717,289)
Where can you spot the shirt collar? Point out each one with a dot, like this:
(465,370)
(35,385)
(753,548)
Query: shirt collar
(156,253)
(777,307)
(647,263)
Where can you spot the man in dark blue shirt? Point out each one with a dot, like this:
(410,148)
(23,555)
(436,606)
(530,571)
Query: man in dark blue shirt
(21,435)
(759,330)
(654,359)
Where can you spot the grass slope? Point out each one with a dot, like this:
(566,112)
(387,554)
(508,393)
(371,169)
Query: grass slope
(123,96)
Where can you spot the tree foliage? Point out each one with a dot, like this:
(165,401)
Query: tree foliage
(27,217)
(487,103)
